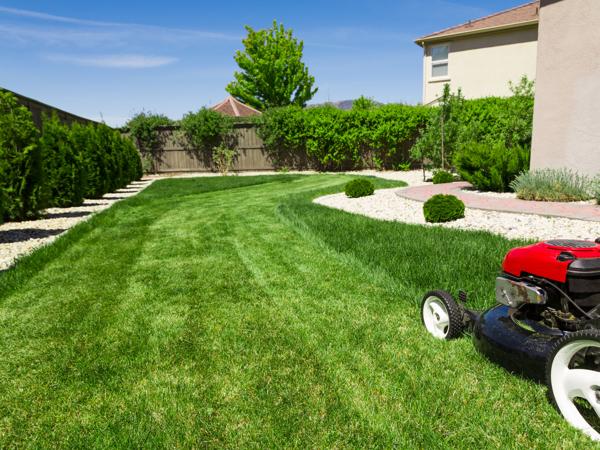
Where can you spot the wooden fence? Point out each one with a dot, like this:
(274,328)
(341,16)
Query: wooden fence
(39,109)
(177,158)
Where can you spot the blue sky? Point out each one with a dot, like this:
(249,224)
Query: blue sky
(110,59)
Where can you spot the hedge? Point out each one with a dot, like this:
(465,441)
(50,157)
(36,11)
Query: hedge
(59,166)
(21,180)
(327,138)
(492,121)
(64,166)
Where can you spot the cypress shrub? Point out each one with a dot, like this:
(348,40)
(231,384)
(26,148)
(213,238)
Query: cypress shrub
(442,176)
(64,168)
(491,167)
(21,176)
(359,187)
(85,137)
(443,208)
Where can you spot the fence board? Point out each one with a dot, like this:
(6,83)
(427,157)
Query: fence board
(251,153)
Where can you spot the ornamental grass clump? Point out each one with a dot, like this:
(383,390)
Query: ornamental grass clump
(442,176)
(553,185)
(443,208)
(359,187)
(596,189)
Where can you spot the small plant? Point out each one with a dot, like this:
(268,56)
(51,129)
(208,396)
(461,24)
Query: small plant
(359,187)
(553,185)
(442,176)
(223,158)
(147,164)
(443,208)
(403,167)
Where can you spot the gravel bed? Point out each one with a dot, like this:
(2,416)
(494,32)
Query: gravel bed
(411,177)
(20,238)
(386,205)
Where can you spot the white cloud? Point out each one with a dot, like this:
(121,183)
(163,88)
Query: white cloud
(83,32)
(114,61)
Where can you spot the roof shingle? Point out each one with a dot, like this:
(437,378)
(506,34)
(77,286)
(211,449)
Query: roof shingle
(526,13)
(233,107)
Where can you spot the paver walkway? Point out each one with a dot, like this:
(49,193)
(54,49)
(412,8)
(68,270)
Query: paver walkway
(582,211)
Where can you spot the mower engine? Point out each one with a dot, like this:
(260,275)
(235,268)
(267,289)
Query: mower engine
(559,280)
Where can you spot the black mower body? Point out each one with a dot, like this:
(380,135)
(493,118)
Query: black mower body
(516,343)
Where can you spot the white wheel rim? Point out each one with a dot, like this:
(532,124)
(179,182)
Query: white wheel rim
(436,317)
(569,384)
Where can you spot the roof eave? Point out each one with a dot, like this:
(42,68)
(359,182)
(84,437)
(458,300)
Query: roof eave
(444,37)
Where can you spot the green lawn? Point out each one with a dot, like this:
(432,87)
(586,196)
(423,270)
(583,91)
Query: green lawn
(233,312)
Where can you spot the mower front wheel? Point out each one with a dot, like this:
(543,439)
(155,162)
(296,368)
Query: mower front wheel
(573,374)
(441,315)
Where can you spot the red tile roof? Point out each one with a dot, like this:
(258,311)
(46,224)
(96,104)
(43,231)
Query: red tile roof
(233,107)
(524,14)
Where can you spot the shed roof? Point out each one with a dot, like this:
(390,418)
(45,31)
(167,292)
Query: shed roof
(518,16)
(233,107)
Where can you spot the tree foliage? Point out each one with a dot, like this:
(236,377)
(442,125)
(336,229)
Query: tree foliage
(272,72)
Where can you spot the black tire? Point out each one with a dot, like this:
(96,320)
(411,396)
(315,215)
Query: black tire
(455,326)
(587,335)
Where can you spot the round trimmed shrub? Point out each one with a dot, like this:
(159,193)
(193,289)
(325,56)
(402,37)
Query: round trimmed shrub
(443,208)
(442,176)
(359,187)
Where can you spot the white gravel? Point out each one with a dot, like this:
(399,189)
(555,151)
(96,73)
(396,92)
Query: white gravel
(412,177)
(20,238)
(386,205)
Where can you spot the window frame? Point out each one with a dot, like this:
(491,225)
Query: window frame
(439,62)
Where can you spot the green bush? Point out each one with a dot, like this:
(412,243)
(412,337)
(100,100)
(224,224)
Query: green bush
(553,185)
(359,187)
(206,129)
(327,138)
(443,208)
(491,167)
(21,175)
(442,176)
(64,165)
(144,129)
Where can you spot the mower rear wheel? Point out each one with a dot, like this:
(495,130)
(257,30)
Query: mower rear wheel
(442,316)
(573,374)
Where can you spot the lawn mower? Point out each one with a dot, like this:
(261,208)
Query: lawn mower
(545,325)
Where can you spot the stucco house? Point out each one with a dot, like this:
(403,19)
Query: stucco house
(566,131)
(481,56)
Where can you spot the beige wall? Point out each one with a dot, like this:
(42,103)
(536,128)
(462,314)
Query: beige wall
(483,64)
(566,121)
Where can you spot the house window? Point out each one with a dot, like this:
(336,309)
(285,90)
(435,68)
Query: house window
(439,61)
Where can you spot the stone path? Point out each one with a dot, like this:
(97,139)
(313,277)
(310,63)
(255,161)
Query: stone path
(580,211)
